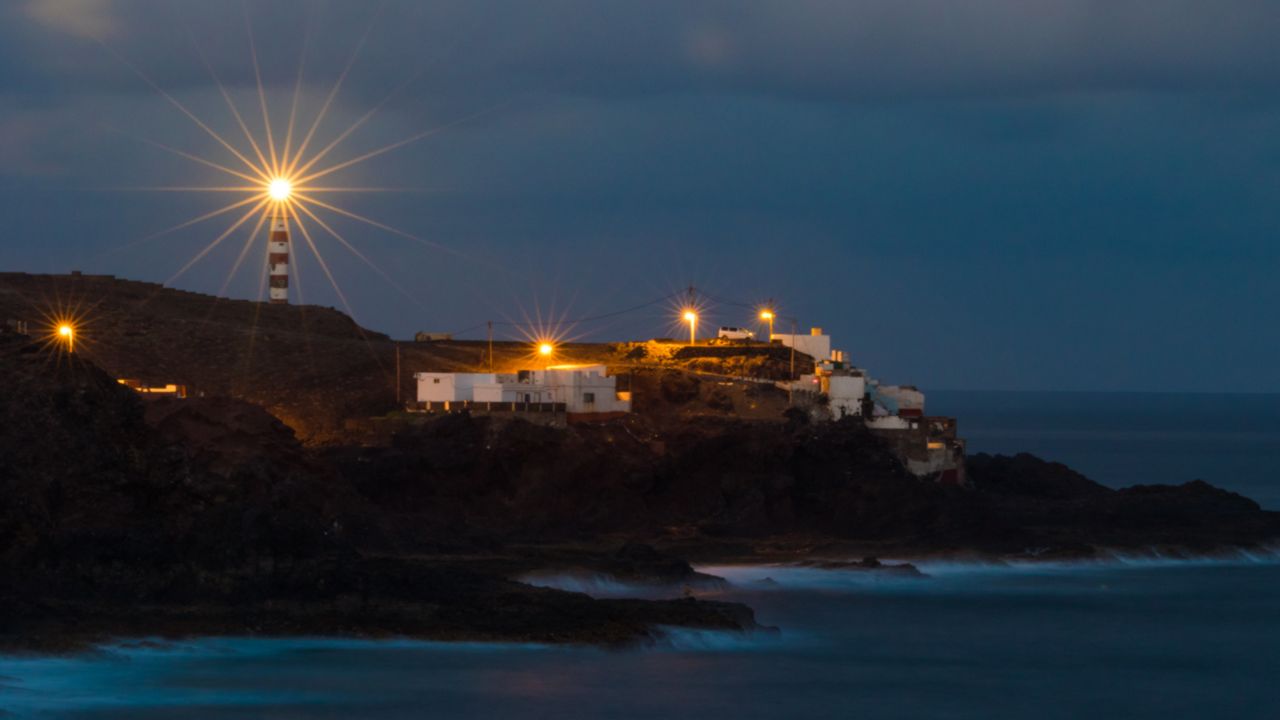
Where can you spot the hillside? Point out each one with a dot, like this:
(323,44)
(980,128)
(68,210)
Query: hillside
(312,367)
(123,517)
(120,516)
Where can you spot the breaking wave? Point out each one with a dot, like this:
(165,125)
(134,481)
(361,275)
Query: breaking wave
(608,586)
(679,639)
(948,574)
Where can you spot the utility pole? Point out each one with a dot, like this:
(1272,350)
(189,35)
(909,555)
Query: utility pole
(490,346)
(793,348)
(399,401)
(791,386)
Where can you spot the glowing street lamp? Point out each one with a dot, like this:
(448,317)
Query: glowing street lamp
(691,317)
(767,316)
(68,334)
(546,350)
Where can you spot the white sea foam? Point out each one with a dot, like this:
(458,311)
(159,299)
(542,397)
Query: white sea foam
(1106,560)
(593,585)
(942,574)
(608,586)
(694,640)
(781,577)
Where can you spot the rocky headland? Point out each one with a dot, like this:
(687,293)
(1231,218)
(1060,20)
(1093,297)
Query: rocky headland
(121,516)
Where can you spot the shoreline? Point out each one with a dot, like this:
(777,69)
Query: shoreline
(185,623)
(207,516)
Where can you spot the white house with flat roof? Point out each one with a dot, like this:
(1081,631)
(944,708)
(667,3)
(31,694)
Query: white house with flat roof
(450,387)
(582,389)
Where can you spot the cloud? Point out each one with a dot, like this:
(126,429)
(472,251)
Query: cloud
(82,18)
(1008,153)
(814,50)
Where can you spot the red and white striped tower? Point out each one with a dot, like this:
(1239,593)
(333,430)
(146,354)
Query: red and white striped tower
(278,257)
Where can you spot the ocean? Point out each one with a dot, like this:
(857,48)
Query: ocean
(1118,439)
(1124,639)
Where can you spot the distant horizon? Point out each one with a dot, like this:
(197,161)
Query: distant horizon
(1103,392)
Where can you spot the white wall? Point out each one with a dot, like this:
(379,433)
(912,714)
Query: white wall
(583,389)
(436,387)
(889,422)
(846,393)
(816,346)
(505,388)
(450,387)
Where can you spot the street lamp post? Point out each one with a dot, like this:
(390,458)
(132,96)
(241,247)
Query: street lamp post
(546,350)
(691,317)
(68,333)
(793,349)
(767,316)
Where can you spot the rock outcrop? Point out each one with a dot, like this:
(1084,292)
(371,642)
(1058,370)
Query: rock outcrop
(714,482)
(207,516)
(119,516)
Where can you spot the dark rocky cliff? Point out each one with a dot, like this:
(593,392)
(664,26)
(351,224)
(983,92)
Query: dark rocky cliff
(209,515)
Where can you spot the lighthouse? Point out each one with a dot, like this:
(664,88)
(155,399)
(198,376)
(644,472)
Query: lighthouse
(278,257)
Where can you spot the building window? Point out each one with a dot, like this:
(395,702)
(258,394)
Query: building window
(588,397)
(435,380)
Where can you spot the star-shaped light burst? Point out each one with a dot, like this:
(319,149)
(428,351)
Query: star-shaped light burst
(286,180)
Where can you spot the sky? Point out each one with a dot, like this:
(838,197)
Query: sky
(994,194)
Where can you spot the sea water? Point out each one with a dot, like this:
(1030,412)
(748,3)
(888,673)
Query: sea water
(1229,440)
(1128,638)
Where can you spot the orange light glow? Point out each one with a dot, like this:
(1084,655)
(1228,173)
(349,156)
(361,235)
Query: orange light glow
(68,333)
(691,317)
(280,189)
(546,348)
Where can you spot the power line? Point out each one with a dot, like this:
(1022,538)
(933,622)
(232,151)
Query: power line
(573,321)
(624,311)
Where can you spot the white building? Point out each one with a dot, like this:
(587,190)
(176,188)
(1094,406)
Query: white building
(815,344)
(844,391)
(582,389)
(451,387)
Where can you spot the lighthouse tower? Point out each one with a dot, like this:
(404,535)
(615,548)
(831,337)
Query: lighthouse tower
(278,258)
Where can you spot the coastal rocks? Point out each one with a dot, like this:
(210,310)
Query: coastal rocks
(382,597)
(119,516)
(703,483)
(1060,513)
(634,570)
(1027,476)
(866,565)
(206,516)
(725,478)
